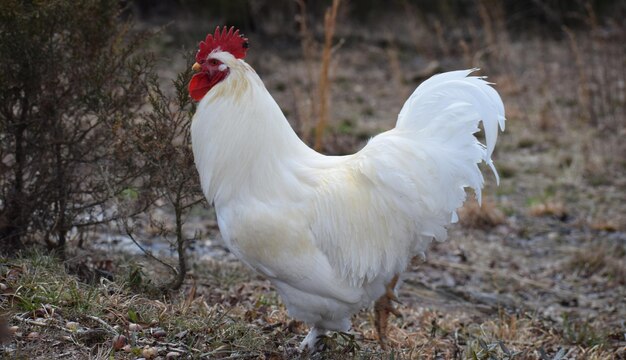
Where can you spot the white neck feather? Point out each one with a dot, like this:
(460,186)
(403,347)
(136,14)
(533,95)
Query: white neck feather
(242,142)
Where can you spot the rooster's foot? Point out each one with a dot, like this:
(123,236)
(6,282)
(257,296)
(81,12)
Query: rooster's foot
(310,342)
(382,307)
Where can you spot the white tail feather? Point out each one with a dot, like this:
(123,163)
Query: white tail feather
(432,105)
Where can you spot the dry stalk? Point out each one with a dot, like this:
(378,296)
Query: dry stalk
(308,52)
(583,81)
(467,54)
(330,18)
(395,67)
(493,19)
(414,19)
(441,39)
(490,37)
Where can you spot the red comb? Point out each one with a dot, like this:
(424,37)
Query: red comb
(228,40)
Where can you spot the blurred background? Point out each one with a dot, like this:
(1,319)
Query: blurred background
(99,192)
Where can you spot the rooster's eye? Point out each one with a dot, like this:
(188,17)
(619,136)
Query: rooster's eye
(213,62)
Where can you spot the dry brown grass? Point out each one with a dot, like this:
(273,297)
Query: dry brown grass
(583,83)
(193,323)
(225,311)
(552,208)
(610,225)
(313,104)
(602,259)
(307,44)
(485,216)
(330,20)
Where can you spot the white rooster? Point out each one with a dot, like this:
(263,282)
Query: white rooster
(332,233)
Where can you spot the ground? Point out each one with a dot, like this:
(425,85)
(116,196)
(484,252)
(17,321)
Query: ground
(539,272)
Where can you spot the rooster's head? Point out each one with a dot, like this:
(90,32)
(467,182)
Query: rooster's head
(218,53)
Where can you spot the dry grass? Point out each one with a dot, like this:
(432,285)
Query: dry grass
(313,102)
(601,259)
(330,20)
(610,225)
(485,216)
(39,297)
(552,208)
(222,314)
(307,44)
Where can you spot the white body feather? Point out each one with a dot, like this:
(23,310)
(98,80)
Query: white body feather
(331,231)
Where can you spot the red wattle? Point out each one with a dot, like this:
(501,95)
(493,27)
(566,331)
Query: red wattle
(199,85)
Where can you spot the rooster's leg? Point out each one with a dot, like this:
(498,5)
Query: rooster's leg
(382,307)
(310,341)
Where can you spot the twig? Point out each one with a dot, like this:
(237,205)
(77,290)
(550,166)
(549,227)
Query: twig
(226,351)
(147,252)
(170,346)
(128,232)
(106,326)
(509,275)
(43,324)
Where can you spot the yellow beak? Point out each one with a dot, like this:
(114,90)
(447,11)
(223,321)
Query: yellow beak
(196,67)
